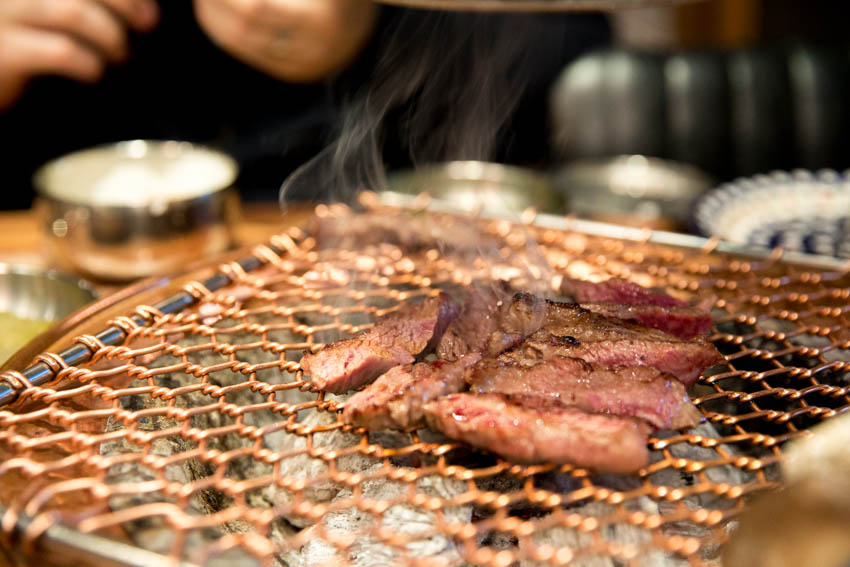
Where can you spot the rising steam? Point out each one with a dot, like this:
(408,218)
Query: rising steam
(443,85)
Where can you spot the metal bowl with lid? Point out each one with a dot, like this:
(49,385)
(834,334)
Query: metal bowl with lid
(480,186)
(137,208)
(633,189)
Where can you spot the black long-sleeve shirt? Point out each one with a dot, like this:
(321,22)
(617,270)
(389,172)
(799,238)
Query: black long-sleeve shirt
(179,85)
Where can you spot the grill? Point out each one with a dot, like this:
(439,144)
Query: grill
(186,432)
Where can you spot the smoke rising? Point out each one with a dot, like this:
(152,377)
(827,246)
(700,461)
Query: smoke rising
(442,86)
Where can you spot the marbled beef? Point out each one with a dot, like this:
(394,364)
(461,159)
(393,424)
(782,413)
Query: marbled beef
(630,391)
(394,340)
(682,322)
(533,429)
(396,399)
(572,331)
(617,290)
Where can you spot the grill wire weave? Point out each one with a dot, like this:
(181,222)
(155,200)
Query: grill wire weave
(199,438)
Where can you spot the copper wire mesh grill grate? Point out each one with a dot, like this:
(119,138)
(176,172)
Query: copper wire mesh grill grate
(198,437)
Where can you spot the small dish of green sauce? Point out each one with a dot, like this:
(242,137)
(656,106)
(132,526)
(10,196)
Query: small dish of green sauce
(16,331)
(32,300)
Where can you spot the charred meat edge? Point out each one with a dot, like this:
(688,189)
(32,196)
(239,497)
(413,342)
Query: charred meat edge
(617,290)
(532,429)
(681,322)
(631,391)
(394,340)
(396,400)
(572,331)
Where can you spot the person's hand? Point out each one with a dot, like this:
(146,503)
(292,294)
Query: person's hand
(292,40)
(70,38)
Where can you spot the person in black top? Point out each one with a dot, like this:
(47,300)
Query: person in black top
(268,81)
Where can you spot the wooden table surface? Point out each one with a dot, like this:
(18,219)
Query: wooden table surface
(22,241)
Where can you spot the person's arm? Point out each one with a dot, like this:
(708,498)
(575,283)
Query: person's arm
(70,38)
(298,41)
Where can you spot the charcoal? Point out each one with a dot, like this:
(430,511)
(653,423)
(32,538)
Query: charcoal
(399,518)
(622,533)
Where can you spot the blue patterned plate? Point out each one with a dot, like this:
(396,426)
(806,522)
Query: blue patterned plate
(800,211)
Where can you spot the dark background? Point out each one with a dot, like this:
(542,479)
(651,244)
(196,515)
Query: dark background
(178,85)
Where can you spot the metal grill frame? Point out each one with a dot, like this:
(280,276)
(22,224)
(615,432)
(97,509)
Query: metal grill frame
(89,548)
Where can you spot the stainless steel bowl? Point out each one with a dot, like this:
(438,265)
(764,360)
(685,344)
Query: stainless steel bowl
(37,295)
(478,185)
(142,227)
(632,189)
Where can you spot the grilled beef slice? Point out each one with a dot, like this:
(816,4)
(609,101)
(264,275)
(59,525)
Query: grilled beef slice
(617,290)
(479,328)
(533,429)
(629,391)
(682,322)
(572,331)
(410,231)
(396,399)
(394,340)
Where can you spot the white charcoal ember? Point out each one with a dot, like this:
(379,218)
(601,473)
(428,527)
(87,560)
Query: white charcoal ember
(353,525)
(723,474)
(626,534)
(154,534)
(305,467)
(620,534)
(273,374)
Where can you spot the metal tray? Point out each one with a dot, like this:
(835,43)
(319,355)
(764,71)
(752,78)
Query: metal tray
(232,452)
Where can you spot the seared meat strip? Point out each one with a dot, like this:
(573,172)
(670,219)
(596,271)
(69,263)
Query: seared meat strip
(572,331)
(396,399)
(479,328)
(617,290)
(682,322)
(684,360)
(394,340)
(630,391)
(490,323)
(532,429)
(410,231)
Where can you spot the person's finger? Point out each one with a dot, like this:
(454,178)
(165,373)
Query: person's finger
(140,15)
(27,52)
(86,20)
